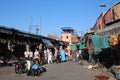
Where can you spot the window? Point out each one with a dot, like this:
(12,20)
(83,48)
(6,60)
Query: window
(66,37)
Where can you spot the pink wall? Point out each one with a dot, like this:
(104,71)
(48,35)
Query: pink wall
(64,35)
(108,17)
(71,38)
(100,22)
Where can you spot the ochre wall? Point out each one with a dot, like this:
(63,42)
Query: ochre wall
(117,11)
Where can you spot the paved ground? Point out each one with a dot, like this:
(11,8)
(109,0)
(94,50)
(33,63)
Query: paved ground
(61,71)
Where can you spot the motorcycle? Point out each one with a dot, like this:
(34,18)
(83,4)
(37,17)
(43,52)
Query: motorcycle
(20,67)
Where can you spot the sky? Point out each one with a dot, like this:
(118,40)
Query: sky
(51,15)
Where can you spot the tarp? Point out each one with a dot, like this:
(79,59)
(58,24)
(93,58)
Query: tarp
(73,47)
(99,43)
(81,44)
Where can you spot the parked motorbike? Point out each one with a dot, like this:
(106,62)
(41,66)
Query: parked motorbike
(20,67)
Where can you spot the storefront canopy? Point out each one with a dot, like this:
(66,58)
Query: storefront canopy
(47,43)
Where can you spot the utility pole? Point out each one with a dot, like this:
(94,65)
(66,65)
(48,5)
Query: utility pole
(37,29)
(36,26)
(31,24)
(6,20)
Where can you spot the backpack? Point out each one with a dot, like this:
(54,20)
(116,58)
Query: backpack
(42,69)
(35,66)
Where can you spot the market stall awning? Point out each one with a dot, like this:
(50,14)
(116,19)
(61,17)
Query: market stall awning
(48,43)
(5,30)
(28,35)
(61,43)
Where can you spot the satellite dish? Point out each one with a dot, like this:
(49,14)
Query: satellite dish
(102,5)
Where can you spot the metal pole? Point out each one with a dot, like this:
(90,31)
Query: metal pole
(40,24)
(31,24)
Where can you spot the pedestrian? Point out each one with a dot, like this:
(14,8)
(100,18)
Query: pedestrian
(62,54)
(31,55)
(55,54)
(41,57)
(90,51)
(49,56)
(66,55)
(58,57)
(26,54)
(45,54)
(74,56)
(37,56)
(80,57)
(28,61)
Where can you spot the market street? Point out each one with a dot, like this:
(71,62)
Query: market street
(60,71)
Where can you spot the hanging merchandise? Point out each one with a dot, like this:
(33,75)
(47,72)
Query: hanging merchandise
(113,40)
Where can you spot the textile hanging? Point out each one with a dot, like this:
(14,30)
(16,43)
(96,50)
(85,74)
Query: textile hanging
(82,44)
(73,47)
(99,43)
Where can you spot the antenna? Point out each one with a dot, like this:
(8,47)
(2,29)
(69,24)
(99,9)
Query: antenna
(6,20)
(37,29)
(40,24)
(30,25)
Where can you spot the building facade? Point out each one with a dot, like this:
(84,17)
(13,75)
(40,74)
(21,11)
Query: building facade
(69,35)
(111,15)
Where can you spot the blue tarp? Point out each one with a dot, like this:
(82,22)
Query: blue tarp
(47,42)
